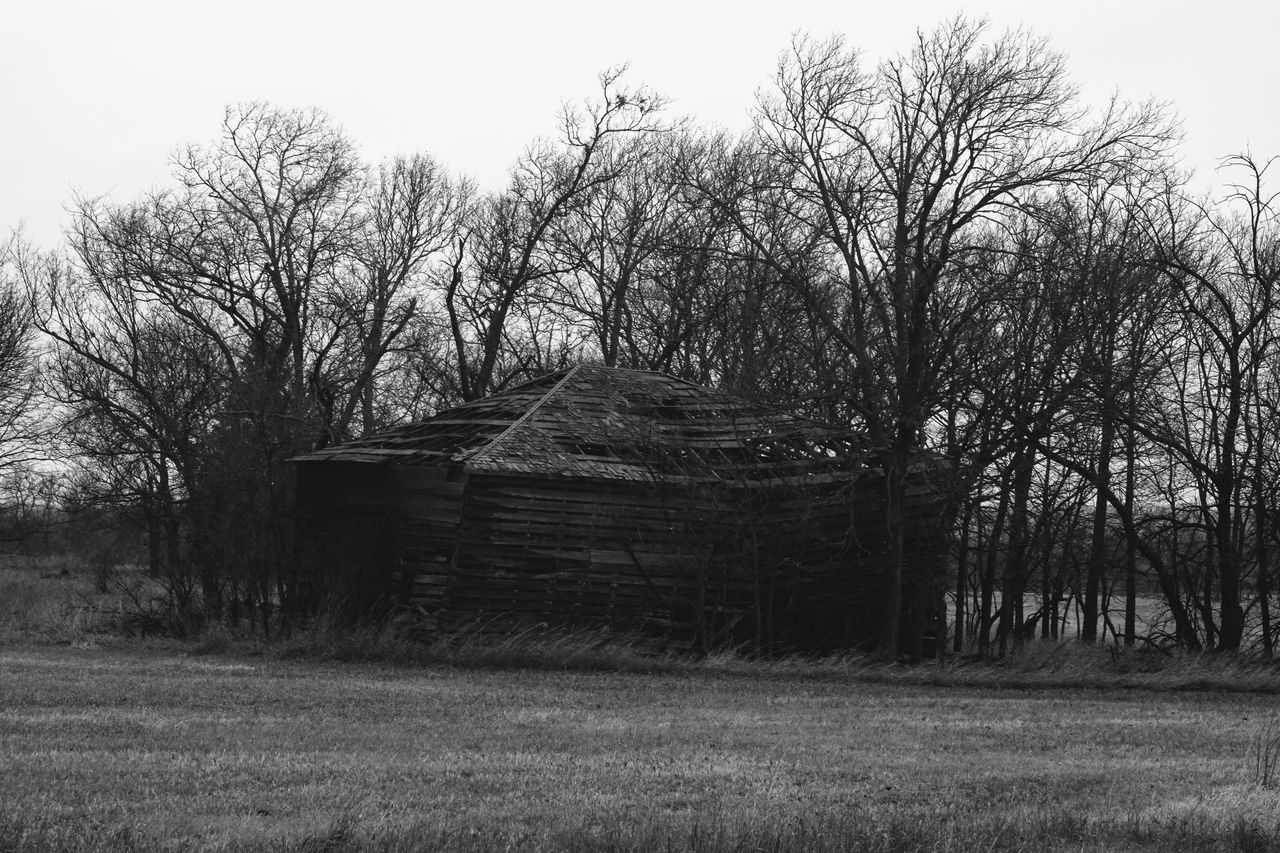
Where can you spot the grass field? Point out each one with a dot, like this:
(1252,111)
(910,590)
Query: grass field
(339,742)
(153,748)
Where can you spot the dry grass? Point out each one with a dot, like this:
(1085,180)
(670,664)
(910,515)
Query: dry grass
(62,599)
(57,599)
(1032,665)
(141,749)
(49,598)
(341,740)
(1264,754)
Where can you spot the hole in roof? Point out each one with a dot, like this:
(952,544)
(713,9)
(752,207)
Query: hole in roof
(596,450)
(671,409)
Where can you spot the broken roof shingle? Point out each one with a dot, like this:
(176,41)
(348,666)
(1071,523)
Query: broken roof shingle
(610,423)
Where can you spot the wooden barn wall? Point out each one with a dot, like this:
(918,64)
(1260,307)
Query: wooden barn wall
(699,566)
(574,552)
(704,566)
(365,530)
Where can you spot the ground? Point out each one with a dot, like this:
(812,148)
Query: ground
(137,747)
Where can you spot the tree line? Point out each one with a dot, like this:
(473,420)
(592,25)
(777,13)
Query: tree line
(946,250)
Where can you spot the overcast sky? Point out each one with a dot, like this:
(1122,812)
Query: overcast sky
(98,95)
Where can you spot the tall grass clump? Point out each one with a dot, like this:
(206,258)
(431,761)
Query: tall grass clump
(480,646)
(1264,755)
(1073,664)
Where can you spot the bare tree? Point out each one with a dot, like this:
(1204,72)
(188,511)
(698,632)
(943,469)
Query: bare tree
(609,240)
(137,391)
(283,272)
(412,211)
(22,429)
(899,169)
(1224,264)
(508,248)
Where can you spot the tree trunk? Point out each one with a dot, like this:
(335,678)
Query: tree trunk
(1264,581)
(962,559)
(1206,602)
(891,615)
(155,536)
(1131,553)
(1015,572)
(1097,550)
(989,574)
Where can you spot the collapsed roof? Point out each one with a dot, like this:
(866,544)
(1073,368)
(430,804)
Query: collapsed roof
(609,423)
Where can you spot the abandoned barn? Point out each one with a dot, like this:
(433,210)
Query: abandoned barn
(620,498)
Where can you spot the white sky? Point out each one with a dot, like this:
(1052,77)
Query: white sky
(97,94)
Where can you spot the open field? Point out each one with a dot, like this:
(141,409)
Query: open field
(130,747)
(61,598)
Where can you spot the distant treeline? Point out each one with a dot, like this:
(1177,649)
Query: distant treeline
(946,250)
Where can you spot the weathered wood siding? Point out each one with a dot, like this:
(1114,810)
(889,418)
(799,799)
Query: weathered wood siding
(366,531)
(699,564)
